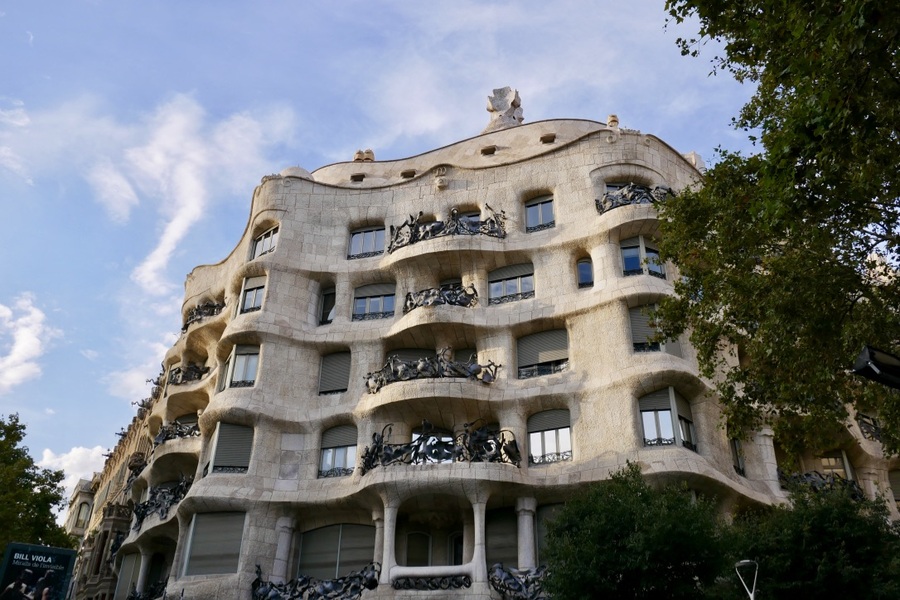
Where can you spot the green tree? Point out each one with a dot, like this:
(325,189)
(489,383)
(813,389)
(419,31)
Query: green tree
(623,538)
(825,544)
(28,494)
(789,257)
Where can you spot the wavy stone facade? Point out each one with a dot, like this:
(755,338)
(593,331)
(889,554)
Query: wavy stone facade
(491,412)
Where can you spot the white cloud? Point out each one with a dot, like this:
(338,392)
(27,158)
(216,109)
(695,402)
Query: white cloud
(77,463)
(30,38)
(49,412)
(113,191)
(15,115)
(26,334)
(89,354)
(131,383)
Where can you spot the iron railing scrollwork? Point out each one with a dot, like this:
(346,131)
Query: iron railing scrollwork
(541,227)
(175,430)
(365,254)
(336,472)
(518,584)
(660,441)
(631,194)
(161,499)
(412,231)
(511,297)
(818,482)
(550,457)
(242,383)
(395,369)
(371,316)
(482,444)
(200,312)
(451,295)
(136,463)
(540,370)
(430,584)
(187,374)
(349,587)
(647,347)
(869,427)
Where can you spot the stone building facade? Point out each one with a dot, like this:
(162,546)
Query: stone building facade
(415,362)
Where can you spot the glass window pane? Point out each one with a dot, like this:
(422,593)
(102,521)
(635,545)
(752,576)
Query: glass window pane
(665,424)
(648,418)
(527,283)
(535,445)
(546,212)
(327,459)
(387,303)
(686,430)
(533,215)
(631,257)
(496,289)
(550,441)
(375,304)
(379,240)
(653,262)
(359,306)
(585,273)
(356,241)
(510,287)
(565,439)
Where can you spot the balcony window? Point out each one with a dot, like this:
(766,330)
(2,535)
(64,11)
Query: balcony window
(335,550)
(240,368)
(366,242)
(511,283)
(657,423)
(549,437)
(539,214)
(265,243)
(836,463)
(542,353)
(214,543)
(640,256)
(232,445)
(252,296)
(373,302)
(326,312)
(338,452)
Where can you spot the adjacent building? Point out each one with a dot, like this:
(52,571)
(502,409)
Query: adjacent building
(416,361)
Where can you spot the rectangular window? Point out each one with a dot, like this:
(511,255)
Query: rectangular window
(737,456)
(326,315)
(542,353)
(511,283)
(264,243)
(374,301)
(836,463)
(244,364)
(539,214)
(252,298)
(640,256)
(366,242)
(232,447)
(214,543)
(642,333)
(334,374)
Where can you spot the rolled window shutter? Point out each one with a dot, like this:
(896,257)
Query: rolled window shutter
(549,419)
(656,401)
(511,271)
(188,419)
(234,445)
(684,407)
(319,552)
(254,282)
(342,435)
(357,547)
(640,325)
(215,543)
(631,242)
(546,346)
(335,373)
(128,574)
(375,289)
(501,537)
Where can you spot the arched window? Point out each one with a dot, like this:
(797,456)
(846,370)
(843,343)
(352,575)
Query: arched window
(659,427)
(549,437)
(338,451)
(542,353)
(84,511)
(264,243)
(511,283)
(375,301)
(640,256)
(539,214)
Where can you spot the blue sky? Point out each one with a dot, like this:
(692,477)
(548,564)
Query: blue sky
(132,135)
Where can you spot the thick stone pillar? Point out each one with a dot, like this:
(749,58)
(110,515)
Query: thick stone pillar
(869,480)
(479,556)
(144,571)
(390,533)
(378,519)
(525,511)
(285,530)
(764,440)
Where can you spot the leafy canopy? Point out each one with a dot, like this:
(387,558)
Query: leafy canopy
(789,257)
(624,539)
(28,494)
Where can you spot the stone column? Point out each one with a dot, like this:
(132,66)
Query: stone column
(765,445)
(525,511)
(390,533)
(869,480)
(285,529)
(378,519)
(144,571)
(478,555)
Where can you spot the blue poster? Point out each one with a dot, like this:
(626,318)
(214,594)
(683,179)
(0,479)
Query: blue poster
(35,572)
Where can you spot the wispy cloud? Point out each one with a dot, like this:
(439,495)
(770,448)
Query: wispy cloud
(25,335)
(112,190)
(77,463)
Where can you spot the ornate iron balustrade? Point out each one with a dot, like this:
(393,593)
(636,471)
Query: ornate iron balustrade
(396,369)
(818,482)
(472,445)
(371,316)
(365,254)
(200,312)
(543,369)
(430,584)
(660,441)
(242,383)
(869,427)
(631,194)
(349,587)
(550,457)
(175,430)
(541,227)
(511,297)
(225,469)
(452,295)
(647,347)
(518,584)
(412,231)
(160,500)
(336,472)
(192,372)
(136,463)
